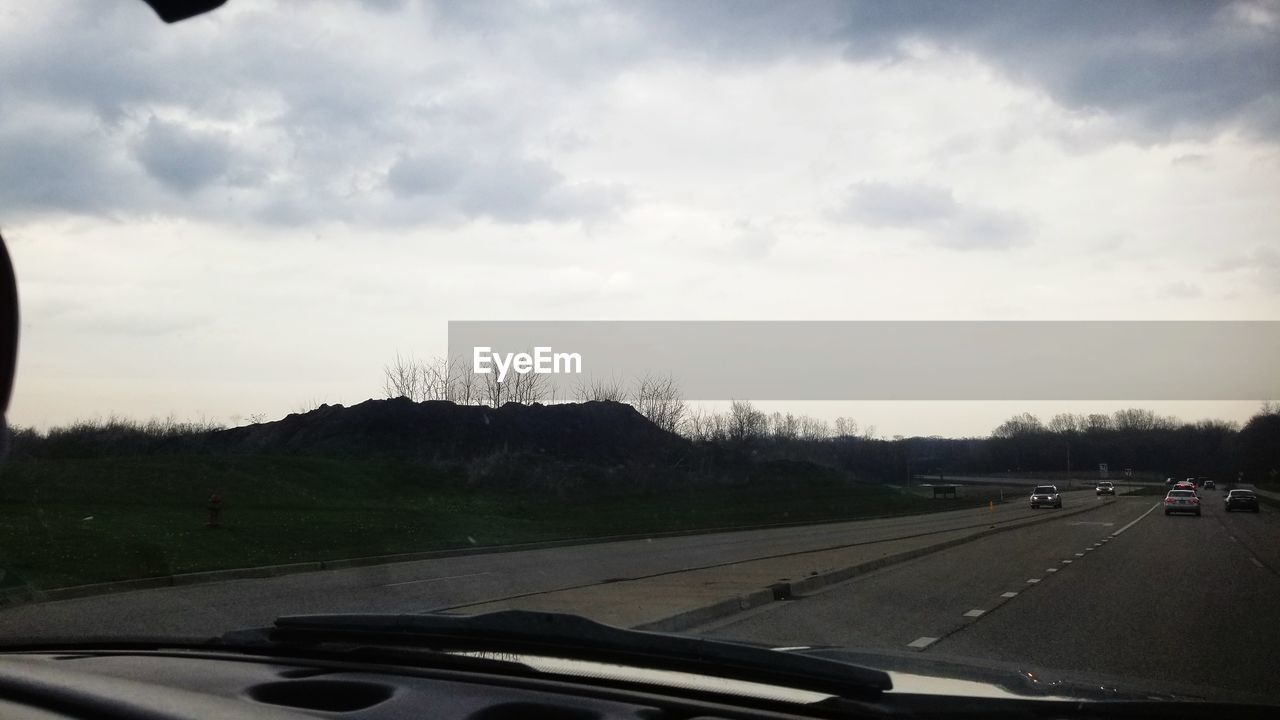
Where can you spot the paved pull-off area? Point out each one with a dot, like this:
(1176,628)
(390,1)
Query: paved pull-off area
(1106,586)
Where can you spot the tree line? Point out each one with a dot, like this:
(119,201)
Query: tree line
(1076,444)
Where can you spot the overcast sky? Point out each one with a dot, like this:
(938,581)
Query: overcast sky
(255,210)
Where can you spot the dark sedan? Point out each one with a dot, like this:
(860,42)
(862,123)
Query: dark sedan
(1241,500)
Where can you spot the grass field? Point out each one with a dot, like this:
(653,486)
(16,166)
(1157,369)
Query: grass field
(68,522)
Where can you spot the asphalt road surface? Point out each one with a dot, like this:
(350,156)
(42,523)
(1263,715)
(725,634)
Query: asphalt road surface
(1123,592)
(1118,590)
(210,609)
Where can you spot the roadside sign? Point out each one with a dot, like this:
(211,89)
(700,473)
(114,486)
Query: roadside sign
(1102,470)
(1128,472)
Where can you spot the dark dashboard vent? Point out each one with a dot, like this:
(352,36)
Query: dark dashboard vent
(328,695)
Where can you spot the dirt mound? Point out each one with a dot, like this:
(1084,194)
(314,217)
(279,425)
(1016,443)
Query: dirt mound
(598,432)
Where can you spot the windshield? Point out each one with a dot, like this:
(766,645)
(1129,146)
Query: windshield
(770,322)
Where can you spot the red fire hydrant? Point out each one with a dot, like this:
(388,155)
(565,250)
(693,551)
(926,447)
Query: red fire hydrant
(215,511)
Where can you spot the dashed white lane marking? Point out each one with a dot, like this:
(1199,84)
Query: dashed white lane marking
(1097,544)
(1080,554)
(436,579)
(1051,569)
(1067,562)
(921,643)
(1088,549)
(1033,581)
(975,613)
(794,647)
(1135,520)
(1256,561)
(1008,594)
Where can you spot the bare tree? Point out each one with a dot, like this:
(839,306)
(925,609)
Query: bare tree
(516,387)
(1097,422)
(1022,424)
(745,423)
(846,426)
(402,379)
(784,427)
(658,398)
(1065,424)
(698,425)
(1135,419)
(814,429)
(600,389)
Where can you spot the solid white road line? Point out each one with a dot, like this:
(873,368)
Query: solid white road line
(975,613)
(1135,521)
(921,643)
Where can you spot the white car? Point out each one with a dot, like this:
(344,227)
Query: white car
(1046,495)
(1106,488)
(1182,501)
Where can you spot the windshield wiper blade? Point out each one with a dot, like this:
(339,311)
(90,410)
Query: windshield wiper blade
(573,637)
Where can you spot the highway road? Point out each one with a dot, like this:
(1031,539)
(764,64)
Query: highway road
(1120,592)
(1106,587)
(443,583)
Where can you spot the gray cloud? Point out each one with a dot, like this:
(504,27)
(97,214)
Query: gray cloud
(1164,68)
(182,159)
(934,212)
(423,175)
(503,189)
(1167,68)
(1192,160)
(888,205)
(334,127)
(1262,265)
(58,167)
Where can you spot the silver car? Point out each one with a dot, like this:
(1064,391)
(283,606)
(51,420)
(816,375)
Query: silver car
(1046,495)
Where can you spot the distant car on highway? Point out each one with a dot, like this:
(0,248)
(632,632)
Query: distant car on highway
(1241,500)
(1181,500)
(1184,485)
(1106,488)
(1046,495)
(1208,484)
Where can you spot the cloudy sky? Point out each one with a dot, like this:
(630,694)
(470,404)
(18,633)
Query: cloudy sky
(253,211)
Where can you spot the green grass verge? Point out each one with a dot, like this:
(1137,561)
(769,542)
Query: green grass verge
(69,522)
